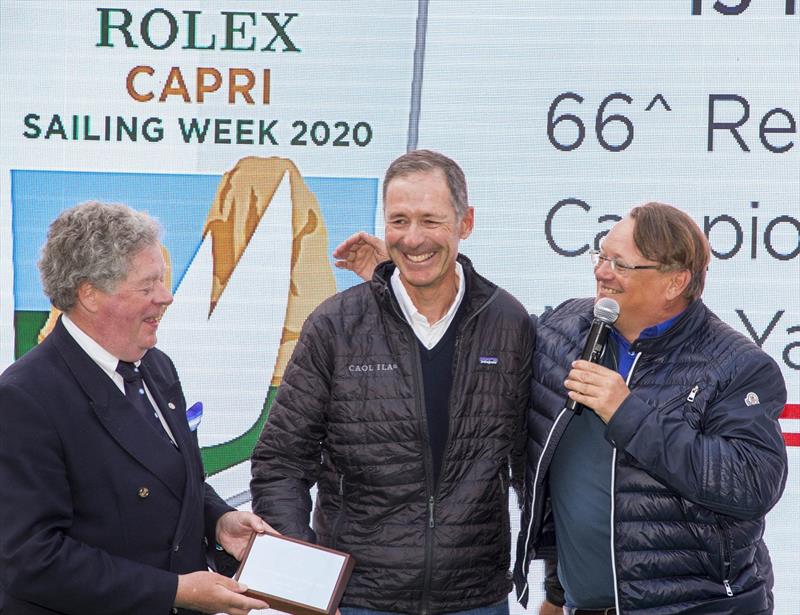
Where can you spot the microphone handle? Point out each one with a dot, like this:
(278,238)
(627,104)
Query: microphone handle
(592,351)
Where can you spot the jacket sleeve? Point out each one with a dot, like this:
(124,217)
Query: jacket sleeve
(213,507)
(734,461)
(218,559)
(39,561)
(286,458)
(517,460)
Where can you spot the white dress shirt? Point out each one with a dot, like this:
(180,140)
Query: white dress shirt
(428,334)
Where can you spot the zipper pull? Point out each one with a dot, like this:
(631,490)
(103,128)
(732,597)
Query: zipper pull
(431,522)
(728,589)
(341,484)
(693,393)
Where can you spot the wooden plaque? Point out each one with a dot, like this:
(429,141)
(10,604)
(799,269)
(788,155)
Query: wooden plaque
(294,576)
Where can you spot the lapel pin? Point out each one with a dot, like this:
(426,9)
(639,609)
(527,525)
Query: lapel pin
(171,406)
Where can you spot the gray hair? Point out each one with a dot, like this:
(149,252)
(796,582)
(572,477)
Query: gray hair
(92,242)
(425,161)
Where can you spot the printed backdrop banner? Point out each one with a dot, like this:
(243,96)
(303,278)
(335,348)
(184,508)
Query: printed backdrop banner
(258,133)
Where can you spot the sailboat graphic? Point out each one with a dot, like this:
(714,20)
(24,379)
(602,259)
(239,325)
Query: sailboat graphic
(227,354)
(260,270)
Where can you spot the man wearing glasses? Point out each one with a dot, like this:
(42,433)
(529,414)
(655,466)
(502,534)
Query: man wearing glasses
(654,501)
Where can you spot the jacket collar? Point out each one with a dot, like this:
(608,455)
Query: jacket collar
(573,318)
(686,326)
(477,292)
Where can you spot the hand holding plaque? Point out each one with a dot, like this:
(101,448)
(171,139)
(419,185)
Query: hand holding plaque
(294,576)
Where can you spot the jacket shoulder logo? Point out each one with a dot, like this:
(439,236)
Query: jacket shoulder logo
(488,360)
(751,399)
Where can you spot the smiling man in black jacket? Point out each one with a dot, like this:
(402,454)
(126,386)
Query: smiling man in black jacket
(404,402)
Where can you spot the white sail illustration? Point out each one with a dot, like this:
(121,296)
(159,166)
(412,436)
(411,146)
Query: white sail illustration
(226,360)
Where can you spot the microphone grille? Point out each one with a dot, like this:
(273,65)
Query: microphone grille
(606,310)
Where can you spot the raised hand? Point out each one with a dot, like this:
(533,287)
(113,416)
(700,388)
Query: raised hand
(361,253)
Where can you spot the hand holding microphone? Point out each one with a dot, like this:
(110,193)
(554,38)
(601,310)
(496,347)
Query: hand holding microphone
(591,385)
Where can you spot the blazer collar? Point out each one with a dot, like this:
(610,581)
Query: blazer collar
(119,418)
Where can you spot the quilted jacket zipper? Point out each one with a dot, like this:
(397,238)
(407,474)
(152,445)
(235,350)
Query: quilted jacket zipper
(433,489)
(725,558)
(337,527)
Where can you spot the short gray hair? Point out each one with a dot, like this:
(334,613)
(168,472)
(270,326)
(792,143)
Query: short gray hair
(92,242)
(426,161)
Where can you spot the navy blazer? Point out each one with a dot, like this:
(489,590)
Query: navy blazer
(98,514)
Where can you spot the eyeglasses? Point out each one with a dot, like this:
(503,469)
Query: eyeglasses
(617,266)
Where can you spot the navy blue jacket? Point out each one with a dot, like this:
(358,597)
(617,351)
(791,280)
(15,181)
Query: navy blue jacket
(93,516)
(699,460)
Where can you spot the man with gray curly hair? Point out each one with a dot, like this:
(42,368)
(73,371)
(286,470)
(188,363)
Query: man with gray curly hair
(105,508)
(94,242)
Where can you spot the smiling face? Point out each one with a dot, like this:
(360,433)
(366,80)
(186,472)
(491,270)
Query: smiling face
(422,233)
(646,297)
(125,321)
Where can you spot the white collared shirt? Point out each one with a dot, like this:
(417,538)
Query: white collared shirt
(428,334)
(108,363)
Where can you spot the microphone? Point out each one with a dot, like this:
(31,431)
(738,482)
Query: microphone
(606,312)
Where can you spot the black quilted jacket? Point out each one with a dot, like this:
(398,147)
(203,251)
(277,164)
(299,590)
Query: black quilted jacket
(699,461)
(350,417)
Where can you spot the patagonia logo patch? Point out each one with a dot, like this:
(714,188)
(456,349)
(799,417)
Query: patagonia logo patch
(751,399)
(488,360)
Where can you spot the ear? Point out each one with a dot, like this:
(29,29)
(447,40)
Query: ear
(678,281)
(88,297)
(466,223)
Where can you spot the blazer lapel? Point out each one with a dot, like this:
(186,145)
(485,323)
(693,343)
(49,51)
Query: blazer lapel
(118,416)
(169,396)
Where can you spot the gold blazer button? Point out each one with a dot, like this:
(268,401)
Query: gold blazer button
(143,492)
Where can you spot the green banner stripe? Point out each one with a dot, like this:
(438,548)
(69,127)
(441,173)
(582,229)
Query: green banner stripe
(228,454)
(27,325)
